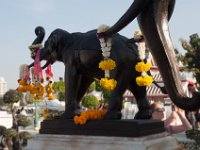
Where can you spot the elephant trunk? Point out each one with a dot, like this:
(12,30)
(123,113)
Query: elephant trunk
(40,33)
(154,25)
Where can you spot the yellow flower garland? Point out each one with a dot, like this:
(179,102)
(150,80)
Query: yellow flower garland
(38,90)
(107,64)
(144,79)
(50,91)
(108,84)
(89,115)
(141,66)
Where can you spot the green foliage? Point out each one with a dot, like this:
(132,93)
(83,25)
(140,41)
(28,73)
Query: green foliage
(194,134)
(2,102)
(10,133)
(2,130)
(61,96)
(59,86)
(90,101)
(12,96)
(98,87)
(106,96)
(191,59)
(24,136)
(91,87)
(23,120)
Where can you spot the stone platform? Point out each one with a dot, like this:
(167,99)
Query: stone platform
(119,128)
(160,141)
(102,135)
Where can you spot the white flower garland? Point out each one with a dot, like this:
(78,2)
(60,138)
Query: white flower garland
(107,64)
(144,79)
(33,47)
(105,46)
(24,72)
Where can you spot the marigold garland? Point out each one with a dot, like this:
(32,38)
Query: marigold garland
(89,115)
(107,64)
(144,79)
(108,84)
(50,90)
(142,67)
(38,90)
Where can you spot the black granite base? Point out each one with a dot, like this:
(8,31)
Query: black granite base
(121,128)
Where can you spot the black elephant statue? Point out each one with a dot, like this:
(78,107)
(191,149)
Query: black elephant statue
(153,17)
(81,54)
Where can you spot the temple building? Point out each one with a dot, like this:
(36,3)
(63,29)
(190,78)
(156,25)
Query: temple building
(3,86)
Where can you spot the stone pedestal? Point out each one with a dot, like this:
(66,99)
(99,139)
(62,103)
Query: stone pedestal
(79,142)
(118,128)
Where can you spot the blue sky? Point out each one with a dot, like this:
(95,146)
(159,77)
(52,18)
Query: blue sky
(19,18)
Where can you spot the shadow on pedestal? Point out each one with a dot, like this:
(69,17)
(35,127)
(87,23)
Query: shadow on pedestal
(120,128)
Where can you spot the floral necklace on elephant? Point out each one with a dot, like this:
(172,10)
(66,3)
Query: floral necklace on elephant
(142,66)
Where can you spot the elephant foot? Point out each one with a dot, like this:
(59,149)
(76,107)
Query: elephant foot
(113,115)
(143,114)
(68,115)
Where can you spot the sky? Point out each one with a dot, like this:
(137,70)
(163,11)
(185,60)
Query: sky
(18,19)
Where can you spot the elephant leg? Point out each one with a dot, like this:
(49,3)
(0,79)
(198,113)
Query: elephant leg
(71,84)
(83,84)
(115,102)
(142,102)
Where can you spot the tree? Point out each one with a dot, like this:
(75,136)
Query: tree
(90,101)
(59,88)
(91,87)
(1,103)
(191,59)
(12,136)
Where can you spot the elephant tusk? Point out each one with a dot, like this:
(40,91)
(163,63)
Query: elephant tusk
(46,64)
(31,65)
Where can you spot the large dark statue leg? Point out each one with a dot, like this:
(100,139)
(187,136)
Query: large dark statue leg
(115,102)
(142,101)
(77,86)
(71,84)
(83,85)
